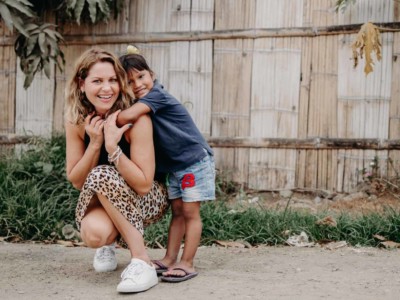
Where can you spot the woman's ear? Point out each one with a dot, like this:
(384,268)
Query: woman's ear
(81,85)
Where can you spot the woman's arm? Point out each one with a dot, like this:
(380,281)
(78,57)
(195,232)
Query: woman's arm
(138,171)
(80,161)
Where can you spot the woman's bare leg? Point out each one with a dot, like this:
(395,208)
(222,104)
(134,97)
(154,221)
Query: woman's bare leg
(97,229)
(131,235)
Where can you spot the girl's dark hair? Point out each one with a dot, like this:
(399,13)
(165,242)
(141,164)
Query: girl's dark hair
(134,61)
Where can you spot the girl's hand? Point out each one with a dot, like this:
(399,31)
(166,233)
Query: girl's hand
(94,128)
(112,133)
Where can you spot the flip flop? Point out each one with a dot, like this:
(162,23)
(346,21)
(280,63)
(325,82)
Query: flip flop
(178,278)
(160,267)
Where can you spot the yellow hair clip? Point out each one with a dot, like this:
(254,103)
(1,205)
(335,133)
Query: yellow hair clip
(132,50)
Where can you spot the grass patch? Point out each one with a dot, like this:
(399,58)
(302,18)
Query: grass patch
(37,201)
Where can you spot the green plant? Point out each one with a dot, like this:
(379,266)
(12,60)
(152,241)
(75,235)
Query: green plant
(343,4)
(38,43)
(92,11)
(36,199)
(38,49)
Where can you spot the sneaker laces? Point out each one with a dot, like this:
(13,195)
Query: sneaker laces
(105,253)
(134,269)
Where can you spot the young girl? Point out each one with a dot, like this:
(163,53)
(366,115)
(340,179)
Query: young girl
(183,155)
(112,167)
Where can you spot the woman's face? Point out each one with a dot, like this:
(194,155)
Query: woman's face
(101,86)
(141,82)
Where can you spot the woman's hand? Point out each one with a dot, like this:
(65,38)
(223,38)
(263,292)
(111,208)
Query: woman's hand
(112,133)
(94,128)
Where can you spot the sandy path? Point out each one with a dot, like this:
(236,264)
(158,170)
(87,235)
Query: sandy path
(36,271)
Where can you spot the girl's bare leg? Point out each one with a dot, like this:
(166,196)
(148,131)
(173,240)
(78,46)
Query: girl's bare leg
(193,229)
(175,233)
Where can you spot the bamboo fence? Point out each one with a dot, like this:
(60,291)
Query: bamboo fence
(270,84)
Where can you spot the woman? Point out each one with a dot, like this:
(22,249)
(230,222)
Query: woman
(113,167)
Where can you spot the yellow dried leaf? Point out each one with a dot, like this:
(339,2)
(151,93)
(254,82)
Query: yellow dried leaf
(390,244)
(368,40)
(230,244)
(328,221)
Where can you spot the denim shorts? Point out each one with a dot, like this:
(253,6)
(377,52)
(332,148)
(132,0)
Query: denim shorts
(195,183)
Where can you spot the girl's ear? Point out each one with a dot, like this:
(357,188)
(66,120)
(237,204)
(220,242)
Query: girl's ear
(153,76)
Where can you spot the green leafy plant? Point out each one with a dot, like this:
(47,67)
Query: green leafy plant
(341,5)
(38,43)
(93,11)
(38,49)
(13,12)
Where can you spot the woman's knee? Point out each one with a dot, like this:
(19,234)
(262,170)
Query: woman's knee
(97,229)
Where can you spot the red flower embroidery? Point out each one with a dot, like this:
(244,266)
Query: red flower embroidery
(188,181)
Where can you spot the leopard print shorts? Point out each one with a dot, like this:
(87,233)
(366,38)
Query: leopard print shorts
(140,211)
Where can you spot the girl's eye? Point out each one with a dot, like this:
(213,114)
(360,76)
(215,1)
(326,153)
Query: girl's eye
(96,81)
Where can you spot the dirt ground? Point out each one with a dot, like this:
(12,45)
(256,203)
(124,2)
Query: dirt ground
(38,271)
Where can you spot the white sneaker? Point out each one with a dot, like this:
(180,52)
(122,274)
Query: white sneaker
(138,276)
(104,259)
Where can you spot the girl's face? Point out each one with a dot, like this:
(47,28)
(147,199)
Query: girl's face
(141,82)
(101,86)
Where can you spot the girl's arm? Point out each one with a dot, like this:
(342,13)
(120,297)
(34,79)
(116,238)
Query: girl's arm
(80,161)
(131,114)
(138,171)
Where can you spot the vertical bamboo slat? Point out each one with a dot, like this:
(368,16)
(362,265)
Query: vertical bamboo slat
(7,87)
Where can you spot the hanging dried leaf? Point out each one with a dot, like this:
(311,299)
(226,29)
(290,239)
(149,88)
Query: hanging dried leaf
(368,40)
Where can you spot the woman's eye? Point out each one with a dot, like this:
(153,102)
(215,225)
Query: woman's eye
(114,80)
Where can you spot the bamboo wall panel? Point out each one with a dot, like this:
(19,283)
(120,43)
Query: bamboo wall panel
(279,13)
(34,107)
(214,56)
(353,162)
(363,105)
(267,170)
(368,11)
(233,164)
(322,107)
(394,119)
(202,15)
(275,88)
(319,13)
(151,15)
(232,77)
(7,84)
(394,125)
(241,14)
(274,108)
(232,67)
(364,101)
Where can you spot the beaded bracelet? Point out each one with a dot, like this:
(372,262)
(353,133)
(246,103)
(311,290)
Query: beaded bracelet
(114,157)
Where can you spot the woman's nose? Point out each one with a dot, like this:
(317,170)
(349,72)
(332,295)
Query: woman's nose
(106,85)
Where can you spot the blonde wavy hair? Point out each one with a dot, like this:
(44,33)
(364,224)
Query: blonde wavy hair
(77,106)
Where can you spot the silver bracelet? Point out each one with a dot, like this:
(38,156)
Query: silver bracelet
(114,157)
